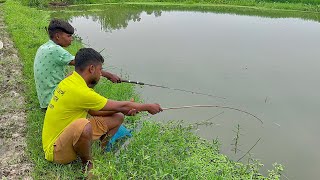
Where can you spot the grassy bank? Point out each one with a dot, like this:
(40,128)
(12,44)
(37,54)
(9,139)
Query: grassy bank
(158,151)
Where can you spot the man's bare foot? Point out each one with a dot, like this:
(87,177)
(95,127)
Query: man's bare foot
(104,140)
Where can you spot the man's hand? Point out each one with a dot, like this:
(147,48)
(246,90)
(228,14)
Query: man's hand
(112,77)
(154,108)
(132,112)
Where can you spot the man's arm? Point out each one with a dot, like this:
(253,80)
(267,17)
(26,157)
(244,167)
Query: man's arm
(101,113)
(126,106)
(112,77)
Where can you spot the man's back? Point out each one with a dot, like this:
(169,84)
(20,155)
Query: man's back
(49,69)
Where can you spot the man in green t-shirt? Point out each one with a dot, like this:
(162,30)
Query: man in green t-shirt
(52,59)
(67,133)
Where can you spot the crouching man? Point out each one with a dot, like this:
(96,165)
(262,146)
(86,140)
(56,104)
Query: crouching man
(67,133)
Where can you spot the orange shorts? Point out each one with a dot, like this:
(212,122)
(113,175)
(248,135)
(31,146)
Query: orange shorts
(63,147)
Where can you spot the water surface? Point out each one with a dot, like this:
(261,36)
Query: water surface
(267,65)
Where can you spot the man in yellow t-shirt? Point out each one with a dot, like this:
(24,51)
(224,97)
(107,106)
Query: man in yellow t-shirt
(67,133)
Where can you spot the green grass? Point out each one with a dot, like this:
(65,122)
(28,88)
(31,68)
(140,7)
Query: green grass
(158,151)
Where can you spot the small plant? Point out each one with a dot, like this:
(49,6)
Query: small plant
(236,140)
(276,172)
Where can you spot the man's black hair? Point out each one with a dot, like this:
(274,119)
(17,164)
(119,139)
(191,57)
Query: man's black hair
(58,25)
(86,57)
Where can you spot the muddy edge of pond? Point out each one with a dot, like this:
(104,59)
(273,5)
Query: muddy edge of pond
(14,163)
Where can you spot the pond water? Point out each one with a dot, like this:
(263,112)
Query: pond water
(261,62)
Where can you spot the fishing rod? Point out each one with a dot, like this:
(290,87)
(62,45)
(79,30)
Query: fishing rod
(214,106)
(139,126)
(165,87)
(193,92)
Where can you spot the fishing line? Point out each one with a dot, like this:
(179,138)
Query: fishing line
(214,106)
(139,125)
(165,87)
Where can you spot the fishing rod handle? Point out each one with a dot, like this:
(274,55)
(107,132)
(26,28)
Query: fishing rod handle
(133,82)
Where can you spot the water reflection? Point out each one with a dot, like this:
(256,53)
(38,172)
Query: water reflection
(111,17)
(115,17)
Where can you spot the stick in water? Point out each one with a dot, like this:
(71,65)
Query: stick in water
(176,89)
(224,107)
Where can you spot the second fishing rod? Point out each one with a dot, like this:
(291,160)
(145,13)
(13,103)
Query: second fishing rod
(166,87)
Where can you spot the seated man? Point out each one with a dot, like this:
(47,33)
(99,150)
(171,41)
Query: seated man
(52,59)
(67,133)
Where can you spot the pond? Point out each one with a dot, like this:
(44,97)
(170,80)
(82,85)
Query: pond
(263,62)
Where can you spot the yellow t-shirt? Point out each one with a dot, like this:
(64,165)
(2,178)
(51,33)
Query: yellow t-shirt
(71,100)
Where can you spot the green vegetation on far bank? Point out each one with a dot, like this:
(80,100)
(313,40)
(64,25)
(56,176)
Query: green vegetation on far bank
(158,151)
(112,18)
(297,5)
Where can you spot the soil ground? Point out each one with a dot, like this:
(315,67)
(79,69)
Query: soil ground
(14,163)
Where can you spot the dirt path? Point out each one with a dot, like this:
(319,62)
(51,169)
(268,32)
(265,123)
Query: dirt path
(14,163)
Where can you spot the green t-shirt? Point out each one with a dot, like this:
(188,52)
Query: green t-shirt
(49,70)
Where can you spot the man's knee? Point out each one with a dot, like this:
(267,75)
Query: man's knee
(87,131)
(119,117)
